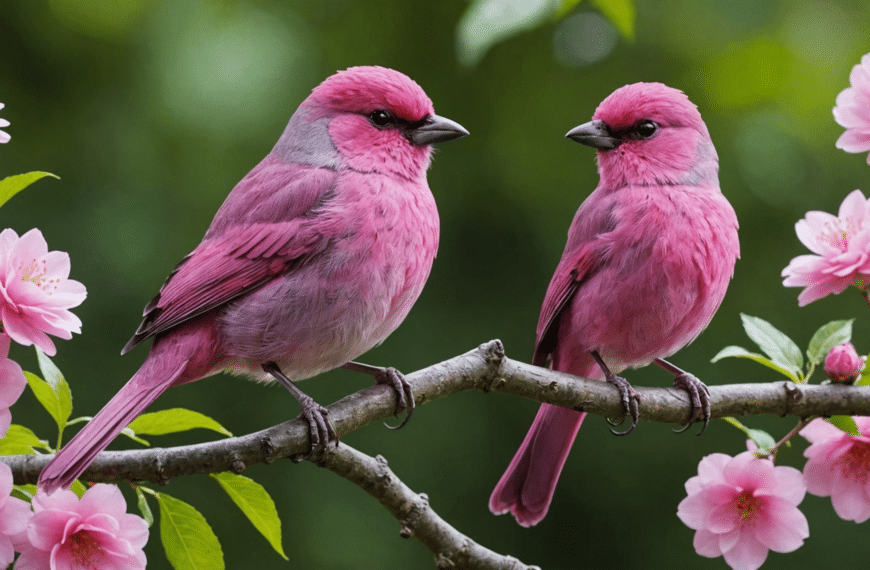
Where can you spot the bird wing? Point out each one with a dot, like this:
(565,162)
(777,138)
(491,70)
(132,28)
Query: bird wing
(236,262)
(573,270)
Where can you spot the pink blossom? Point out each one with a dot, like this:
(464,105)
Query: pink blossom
(14,516)
(94,533)
(843,247)
(35,291)
(742,507)
(4,137)
(838,466)
(853,110)
(12,383)
(843,365)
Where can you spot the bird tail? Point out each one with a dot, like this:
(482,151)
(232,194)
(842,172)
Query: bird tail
(526,488)
(152,379)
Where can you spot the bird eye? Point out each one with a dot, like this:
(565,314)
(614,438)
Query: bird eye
(380,118)
(645,129)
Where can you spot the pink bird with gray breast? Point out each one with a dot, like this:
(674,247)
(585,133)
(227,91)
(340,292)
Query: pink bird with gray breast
(648,259)
(315,257)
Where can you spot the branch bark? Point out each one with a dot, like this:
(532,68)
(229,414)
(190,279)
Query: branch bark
(451,548)
(485,368)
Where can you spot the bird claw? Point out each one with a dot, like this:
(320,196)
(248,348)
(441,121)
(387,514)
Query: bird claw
(630,399)
(699,396)
(405,396)
(321,432)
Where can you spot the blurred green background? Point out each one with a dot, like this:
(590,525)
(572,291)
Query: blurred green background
(151,110)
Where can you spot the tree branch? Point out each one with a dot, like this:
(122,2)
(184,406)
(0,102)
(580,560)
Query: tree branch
(451,548)
(485,368)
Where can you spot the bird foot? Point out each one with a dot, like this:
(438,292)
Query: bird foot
(405,396)
(394,379)
(699,396)
(630,399)
(321,432)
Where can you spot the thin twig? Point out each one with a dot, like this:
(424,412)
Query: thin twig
(451,549)
(801,425)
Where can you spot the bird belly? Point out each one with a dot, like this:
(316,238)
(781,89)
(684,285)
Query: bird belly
(326,313)
(657,293)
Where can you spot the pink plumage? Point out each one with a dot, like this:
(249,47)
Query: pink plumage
(316,256)
(647,262)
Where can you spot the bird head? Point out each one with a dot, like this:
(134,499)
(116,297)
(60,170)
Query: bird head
(370,119)
(649,134)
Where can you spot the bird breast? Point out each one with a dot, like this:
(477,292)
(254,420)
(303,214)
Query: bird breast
(351,295)
(665,267)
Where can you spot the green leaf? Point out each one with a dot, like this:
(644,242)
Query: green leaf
(257,505)
(132,435)
(864,379)
(845,423)
(739,352)
(781,349)
(144,508)
(55,379)
(19,440)
(566,7)
(174,420)
(761,438)
(620,13)
(827,337)
(488,22)
(189,541)
(49,399)
(14,184)
(24,492)
(78,488)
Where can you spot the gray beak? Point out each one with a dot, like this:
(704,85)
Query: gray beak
(436,129)
(594,134)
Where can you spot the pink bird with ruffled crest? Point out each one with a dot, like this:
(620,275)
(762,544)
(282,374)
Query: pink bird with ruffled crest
(648,259)
(316,256)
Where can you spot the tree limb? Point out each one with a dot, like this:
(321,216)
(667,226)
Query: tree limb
(485,368)
(452,549)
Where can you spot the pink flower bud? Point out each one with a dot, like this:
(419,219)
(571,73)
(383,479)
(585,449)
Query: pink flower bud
(843,365)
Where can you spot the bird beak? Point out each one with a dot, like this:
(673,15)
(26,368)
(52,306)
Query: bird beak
(435,129)
(594,134)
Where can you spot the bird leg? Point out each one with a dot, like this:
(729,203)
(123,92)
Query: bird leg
(321,432)
(630,397)
(699,395)
(394,379)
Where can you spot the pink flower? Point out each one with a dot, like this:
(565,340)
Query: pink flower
(94,533)
(843,365)
(838,466)
(742,507)
(14,516)
(843,247)
(853,110)
(4,137)
(35,292)
(12,383)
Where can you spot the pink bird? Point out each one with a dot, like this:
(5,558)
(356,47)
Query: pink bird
(316,256)
(648,259)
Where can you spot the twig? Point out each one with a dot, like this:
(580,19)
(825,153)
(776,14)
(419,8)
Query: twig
(451,548)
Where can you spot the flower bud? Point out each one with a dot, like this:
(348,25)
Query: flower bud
(843,365)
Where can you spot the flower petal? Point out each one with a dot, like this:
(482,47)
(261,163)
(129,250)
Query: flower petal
(747,554)
(783,527)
